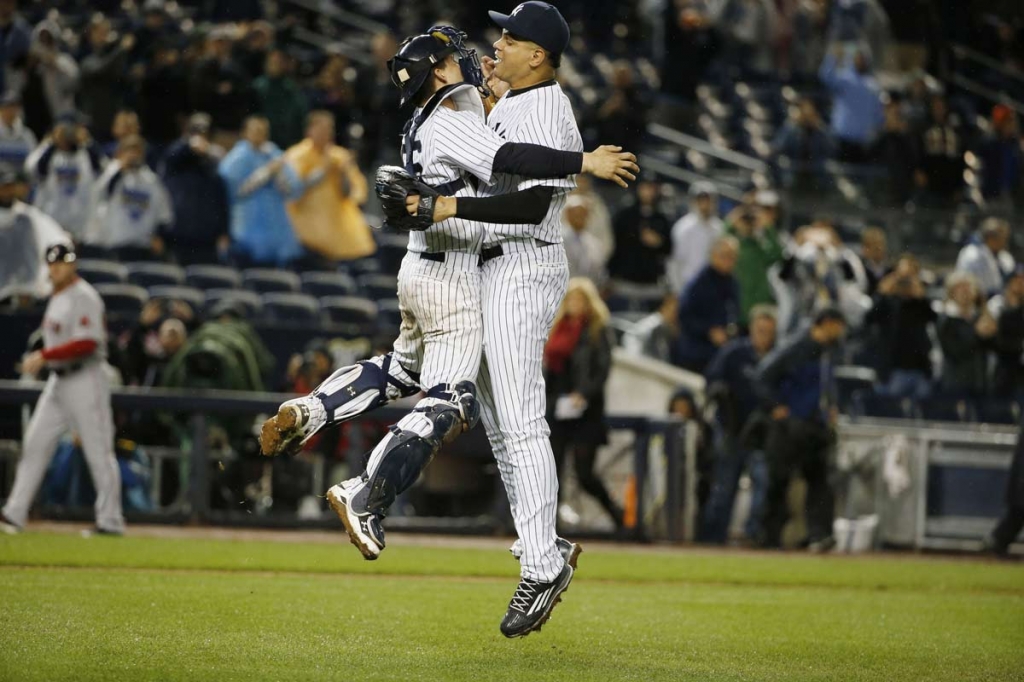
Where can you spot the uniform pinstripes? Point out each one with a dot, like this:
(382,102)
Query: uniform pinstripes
(541,116)
(522,290)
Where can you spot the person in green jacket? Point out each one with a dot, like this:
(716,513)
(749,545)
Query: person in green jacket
(753,225)
(281,100)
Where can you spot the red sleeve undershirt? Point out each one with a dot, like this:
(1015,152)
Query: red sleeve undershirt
(72,350)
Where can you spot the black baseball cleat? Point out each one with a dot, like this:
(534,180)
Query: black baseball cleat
(532,603)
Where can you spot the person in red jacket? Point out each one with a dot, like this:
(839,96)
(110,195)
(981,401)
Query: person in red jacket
(76,397)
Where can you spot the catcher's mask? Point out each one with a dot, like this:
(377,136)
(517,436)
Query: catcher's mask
(418,55)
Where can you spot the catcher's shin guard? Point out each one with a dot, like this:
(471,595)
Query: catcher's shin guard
(398,460)
(364,386)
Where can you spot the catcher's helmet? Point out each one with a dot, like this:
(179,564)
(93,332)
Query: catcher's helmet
(418,55)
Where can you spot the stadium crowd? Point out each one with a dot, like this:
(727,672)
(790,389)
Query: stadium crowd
(168,138)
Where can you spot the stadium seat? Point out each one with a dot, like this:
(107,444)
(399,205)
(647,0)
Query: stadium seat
(289,307)
(249,301)
(320,284)
(267,281)
(213,277)
(155,274)
(122,299)
(364,266)
(389,316)
(391,249)
(378,287)
(102,271)
(194,297)
(945,410)
(872,405)
(998,411)
(348,310)
(851,381)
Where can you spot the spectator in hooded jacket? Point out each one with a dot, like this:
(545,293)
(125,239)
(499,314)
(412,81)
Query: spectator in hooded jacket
(63,169)
(16,140)
(709,308)
(198,197)
(131,211)
(258,183)
(51,79)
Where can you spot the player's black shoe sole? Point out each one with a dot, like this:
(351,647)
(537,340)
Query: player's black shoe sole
(533,602)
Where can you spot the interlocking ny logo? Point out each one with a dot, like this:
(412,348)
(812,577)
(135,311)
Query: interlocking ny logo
(518,9)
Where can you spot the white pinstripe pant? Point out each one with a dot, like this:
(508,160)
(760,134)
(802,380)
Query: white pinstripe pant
(521,293)
(442,334)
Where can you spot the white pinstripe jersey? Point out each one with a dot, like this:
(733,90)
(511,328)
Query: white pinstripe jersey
(540,114)
(451,145)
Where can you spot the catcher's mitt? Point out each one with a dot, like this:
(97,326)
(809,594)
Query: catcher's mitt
(393,185)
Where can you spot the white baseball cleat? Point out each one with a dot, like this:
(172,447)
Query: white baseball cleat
(348,500)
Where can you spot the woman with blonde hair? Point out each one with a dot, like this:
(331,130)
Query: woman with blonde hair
(966,333)
(577,361)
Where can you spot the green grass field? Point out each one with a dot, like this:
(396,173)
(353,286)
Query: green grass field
(147,608)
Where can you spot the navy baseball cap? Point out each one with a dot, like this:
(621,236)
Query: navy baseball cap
(61,253)
(537,22)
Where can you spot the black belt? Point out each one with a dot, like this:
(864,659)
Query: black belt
(491,252)
(449,189)
(68,369)
(436,257)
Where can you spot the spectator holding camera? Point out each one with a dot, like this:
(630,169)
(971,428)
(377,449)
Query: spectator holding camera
(64,168)
(131,210)
(966,333)
(903,314)
(795,388)
(103,75)
(709,308)
(753,226)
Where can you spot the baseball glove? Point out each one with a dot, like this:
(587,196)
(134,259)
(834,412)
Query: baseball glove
(393,185)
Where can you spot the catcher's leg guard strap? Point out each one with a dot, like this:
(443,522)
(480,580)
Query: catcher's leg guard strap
(406,456)
(365,386)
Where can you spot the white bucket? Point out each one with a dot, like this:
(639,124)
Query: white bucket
(855,535)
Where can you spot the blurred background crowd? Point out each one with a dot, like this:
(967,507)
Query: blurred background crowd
(825,221)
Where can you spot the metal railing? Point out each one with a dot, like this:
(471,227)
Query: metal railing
(199,405)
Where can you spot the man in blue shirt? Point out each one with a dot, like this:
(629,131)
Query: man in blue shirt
(709,308)
(795,387)
(857,113)
(730,384)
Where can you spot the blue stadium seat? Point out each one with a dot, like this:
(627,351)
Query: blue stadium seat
(349,310)
(194,297)
(389,316)
(364,266)
(102,271)
(122,299)
(248,300)
(320,284)
(267,281)
(941,409)
(378,287)
(155,274)
(290,307)
(213,277)
(872,405)
(998,411)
